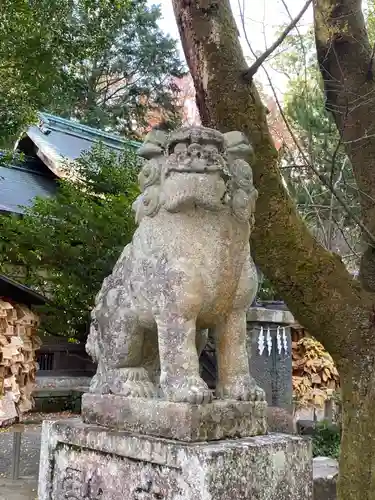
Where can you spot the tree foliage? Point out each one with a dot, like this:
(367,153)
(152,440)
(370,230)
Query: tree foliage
(326,440)
(131,75)
(102,61)
(67,245)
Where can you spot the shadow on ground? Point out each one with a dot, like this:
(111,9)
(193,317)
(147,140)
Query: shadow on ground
(22,489)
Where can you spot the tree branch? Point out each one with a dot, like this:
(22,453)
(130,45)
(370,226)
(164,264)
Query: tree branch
(249,73)
(370,71)
(345,55)
(310,165)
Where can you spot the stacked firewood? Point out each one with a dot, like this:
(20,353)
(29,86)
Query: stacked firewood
(18,343)
(315,376)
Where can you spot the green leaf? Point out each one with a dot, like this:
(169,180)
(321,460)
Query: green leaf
(106,63)
(65,246)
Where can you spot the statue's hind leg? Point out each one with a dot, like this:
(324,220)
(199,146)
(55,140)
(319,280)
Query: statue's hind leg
(120,341)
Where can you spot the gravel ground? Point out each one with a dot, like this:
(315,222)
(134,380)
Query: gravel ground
(23,489)
(30,444)
(30,449)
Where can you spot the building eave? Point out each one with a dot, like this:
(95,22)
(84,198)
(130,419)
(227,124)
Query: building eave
(17,292)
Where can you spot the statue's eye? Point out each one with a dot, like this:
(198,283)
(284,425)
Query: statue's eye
(147,171)
(195,150)
(210,150)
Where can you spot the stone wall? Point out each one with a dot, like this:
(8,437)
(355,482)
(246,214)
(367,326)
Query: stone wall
(59,357)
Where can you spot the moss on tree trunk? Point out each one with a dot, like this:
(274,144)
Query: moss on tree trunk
(357,458)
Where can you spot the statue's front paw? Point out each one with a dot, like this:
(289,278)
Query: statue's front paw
(242,388)
(191,390)
(132,383)
(99,384)
(136,390)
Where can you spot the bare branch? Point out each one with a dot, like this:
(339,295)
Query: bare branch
(309,164)
(250,72)
(334,188)
(345,238)
(317,214)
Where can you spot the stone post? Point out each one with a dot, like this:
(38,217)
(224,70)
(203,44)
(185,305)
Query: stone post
(270,352)
(151,428)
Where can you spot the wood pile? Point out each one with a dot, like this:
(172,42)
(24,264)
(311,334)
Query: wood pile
(18,343)
(315,377)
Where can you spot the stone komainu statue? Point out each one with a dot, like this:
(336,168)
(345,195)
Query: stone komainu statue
(187,269)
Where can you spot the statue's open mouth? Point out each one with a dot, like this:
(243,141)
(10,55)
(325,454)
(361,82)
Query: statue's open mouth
(196,169)
(191,185)
(187,170)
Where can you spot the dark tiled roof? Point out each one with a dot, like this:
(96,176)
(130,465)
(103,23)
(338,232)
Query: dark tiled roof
(52,141)
(22,294)
(58,138)
(19,186)
(61,128)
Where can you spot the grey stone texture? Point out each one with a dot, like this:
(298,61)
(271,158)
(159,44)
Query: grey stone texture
(180,421)
(62,382)
(266,315)
(80,461)
(24,489)
(187,269)
(280,420)
(325,474)
(270,350)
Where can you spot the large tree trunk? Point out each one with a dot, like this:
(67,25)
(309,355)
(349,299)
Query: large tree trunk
(314,282)
(357,459)
(346,62)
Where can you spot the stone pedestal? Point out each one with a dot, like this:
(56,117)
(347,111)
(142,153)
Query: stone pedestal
(325,475)
(87,462)
(181,421)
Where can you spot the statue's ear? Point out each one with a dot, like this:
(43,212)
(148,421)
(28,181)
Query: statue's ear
(154,144)
(238,146)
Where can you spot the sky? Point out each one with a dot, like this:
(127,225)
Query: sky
(262,19)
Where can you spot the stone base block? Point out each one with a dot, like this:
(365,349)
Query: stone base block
(181,421)
(80,461)
(325,475)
